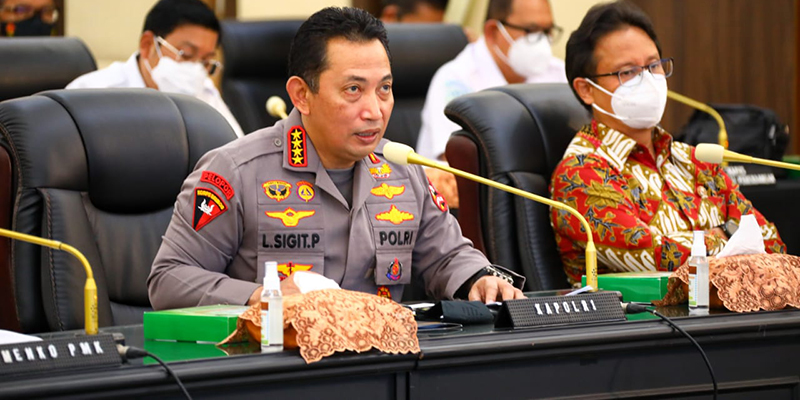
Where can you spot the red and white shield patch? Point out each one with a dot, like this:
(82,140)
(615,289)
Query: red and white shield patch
(207,206)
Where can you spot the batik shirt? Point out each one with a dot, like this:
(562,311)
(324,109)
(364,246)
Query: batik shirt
(642,211)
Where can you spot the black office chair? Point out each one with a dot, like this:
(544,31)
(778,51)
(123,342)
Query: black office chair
(33,64)
(515,135)
(256,56)
(99,170)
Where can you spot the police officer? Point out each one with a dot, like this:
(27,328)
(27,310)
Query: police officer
(314,193)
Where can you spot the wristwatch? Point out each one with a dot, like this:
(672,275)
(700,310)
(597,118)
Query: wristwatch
(729,227)
(491,270)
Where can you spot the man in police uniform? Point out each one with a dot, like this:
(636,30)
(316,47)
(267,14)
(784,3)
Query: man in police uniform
(314,192)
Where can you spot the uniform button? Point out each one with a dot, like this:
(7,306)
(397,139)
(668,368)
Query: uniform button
(278,143)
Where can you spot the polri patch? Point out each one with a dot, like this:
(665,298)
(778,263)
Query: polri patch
(305,191)
(383,291)
(395,270)
(382,172)
(284,270)
(298,152)
(277,190)
(437,198)
(207,206)
(385,190)
(289,217)
(394,216)
(219,182)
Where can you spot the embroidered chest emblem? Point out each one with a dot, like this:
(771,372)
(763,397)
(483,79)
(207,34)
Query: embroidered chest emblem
(395,270)
(298,156)
(382,172)
(290,217)
(384,190)
(305,191)
(395,216)
(277,190)
(383,291)
(207,206)
(284,270)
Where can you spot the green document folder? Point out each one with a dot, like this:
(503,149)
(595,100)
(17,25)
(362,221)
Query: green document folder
(209,324)
(635,286)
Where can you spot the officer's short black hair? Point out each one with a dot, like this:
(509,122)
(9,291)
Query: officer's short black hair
(308,52)
(168,15)
(409,6)
(601,20)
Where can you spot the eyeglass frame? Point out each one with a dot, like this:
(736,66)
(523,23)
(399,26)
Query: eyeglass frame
(212,66)
(553,33)
(642,69)
(30,13)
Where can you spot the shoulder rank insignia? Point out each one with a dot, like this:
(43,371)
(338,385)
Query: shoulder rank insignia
(219,182)
(298,156)
(394,216)
(207,206)
(395,270)
(277,190)
(305,191)
(437,198)
(383,291)
(290,217)
(387,191)
(284,270)
(374,159)
(382,172)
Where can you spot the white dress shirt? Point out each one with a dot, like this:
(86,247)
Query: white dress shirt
(472,70)
(127,75)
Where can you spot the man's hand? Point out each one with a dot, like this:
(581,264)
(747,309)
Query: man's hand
(445,183)
(491,288)
(287,287)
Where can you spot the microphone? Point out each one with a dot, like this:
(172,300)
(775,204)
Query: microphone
(402,154)
(276,107)
(716,154)
(89,289)
(722,138)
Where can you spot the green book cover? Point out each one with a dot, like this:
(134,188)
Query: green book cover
(635,286)
(209,324)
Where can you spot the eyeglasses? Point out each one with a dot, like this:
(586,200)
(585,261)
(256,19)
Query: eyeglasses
(211,65)
(633,75)
(536,33)
(21,12)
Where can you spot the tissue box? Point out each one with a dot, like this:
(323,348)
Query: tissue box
(635,286)
(195,324)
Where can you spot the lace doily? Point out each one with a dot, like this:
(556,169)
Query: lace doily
(744,283)
(327,321)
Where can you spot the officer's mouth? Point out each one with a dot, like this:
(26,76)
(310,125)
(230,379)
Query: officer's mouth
(368,136)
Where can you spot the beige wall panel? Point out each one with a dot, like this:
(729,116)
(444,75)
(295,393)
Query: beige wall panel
(568,14)
(248,10)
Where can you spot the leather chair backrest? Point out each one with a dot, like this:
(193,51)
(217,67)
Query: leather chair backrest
(32,64)
(256,56)
(99,170)
(520,133)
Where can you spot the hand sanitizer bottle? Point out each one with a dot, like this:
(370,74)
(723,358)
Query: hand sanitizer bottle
(698,273)
(271,310)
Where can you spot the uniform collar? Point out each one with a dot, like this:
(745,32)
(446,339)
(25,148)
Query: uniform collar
(615,147)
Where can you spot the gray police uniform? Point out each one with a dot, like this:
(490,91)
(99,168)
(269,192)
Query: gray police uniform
(267,197)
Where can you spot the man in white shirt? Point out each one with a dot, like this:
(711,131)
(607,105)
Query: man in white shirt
(514,48)
(176,55)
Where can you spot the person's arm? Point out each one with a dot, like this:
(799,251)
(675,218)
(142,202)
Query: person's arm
(446,260)
(201,241)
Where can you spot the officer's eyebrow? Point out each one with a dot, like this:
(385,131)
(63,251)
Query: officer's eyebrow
(361,79)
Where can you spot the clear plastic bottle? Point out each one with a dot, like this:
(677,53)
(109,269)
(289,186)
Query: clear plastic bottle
(271,310)
(698,273)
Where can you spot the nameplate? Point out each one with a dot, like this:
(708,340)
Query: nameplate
(560,310)
(66,353)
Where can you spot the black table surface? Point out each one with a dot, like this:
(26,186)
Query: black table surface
(753,355)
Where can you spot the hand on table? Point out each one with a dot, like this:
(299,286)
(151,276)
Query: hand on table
(491,288)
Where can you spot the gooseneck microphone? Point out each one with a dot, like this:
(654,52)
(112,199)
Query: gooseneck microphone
(716,154)
(722,137)
(276,107)
(402,154)
(89,289)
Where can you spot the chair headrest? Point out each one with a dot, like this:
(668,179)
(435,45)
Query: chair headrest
(130,149)
(524,127)
(33,64)
(257,48)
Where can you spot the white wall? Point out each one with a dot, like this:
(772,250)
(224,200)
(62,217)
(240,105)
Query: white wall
(568,15)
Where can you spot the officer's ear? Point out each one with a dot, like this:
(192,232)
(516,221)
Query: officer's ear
(299,93)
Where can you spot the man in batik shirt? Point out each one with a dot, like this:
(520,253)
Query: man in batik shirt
(642,193)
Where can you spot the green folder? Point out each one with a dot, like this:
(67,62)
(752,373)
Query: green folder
(209,324)
(635,286)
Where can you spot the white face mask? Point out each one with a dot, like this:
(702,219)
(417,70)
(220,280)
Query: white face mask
(529,55)
(639,106)
(177,77)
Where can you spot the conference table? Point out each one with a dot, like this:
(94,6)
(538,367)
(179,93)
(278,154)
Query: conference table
(754,355)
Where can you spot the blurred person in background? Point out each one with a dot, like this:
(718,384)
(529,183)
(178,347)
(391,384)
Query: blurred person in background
(406,11)
(27,18)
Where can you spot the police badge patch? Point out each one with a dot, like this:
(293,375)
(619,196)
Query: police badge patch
(277,190)
(395,270)
(207,206)
(305,191)
(437,198)
(383,291)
